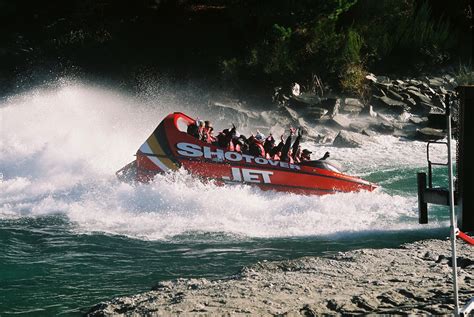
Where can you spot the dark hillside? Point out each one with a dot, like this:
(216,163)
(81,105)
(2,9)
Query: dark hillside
(262,42)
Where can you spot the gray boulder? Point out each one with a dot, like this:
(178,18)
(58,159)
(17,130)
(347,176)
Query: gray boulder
(348,139)
(352,105)
(393,95)
(418,120)
(391,104)
(357,127)
(430,134)
(418,96)
(332,105)
(341,121)
(316,112)
(436,81)
(384,128)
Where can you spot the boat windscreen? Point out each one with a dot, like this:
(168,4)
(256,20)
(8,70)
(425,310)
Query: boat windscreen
(182,124)
(323,164)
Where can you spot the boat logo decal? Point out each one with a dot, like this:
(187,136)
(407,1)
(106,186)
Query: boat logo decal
(194,150)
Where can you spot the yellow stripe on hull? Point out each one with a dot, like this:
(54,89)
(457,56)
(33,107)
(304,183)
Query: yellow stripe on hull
(158,150)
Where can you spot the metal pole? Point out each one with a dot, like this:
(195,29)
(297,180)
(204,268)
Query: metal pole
(452,212)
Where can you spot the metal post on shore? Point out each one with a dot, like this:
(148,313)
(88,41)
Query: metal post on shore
(452,211)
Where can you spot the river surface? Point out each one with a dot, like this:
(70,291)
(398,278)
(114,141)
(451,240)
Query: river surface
(72,235)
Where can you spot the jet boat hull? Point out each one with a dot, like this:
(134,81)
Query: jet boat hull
(170,148)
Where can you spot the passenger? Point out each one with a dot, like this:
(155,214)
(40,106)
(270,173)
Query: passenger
(239,141)
(224,138)
(305,155)
(287,147)
(200,129)
(297,154)
(193,129)
(207,135)
(275,153)
(268,146)
(256,145)
(296,146)
(326,155)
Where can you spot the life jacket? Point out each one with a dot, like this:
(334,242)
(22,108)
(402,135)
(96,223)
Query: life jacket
(207,135)
(262,150)
(193,130)
(201,133)
(237,148)
(230,146)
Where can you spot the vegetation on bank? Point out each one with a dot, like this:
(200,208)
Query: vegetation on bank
(340,40)
(274,42)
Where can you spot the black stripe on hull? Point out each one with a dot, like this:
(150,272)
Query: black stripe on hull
(160,135)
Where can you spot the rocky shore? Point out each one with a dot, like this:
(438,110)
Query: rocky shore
(409,108)
(413,279)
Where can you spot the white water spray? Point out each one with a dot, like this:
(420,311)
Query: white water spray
(60,148)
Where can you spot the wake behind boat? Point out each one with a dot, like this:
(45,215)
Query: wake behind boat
(170,147)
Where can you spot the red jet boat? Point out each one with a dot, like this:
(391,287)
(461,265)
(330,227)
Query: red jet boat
(170,147)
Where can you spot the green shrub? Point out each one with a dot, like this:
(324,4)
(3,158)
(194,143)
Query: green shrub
(465,75)
(276,51)
(229,68)
(352,79)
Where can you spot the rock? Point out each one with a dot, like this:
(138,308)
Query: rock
(430,134)
(348,139)
(352,105)
(384,128)
(413,88)
(411,280)
(395,105)
(404,117)
(384,87)
(368,132)
(410,102)
(351,110)
(400,82)
(393,95)
(428,107)
(438,101)
(418,96)
(357,127)
(383,79)
(371,77)
(341,121)
(436,81)
(332,105)
(287,111)
(414,82)
(354,102)
(417,120)
(304,100)
(316,112)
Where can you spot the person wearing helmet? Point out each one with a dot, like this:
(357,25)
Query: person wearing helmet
(305,155)
(195,128)
(256,146)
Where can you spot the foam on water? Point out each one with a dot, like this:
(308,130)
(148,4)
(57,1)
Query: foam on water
(60,148)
